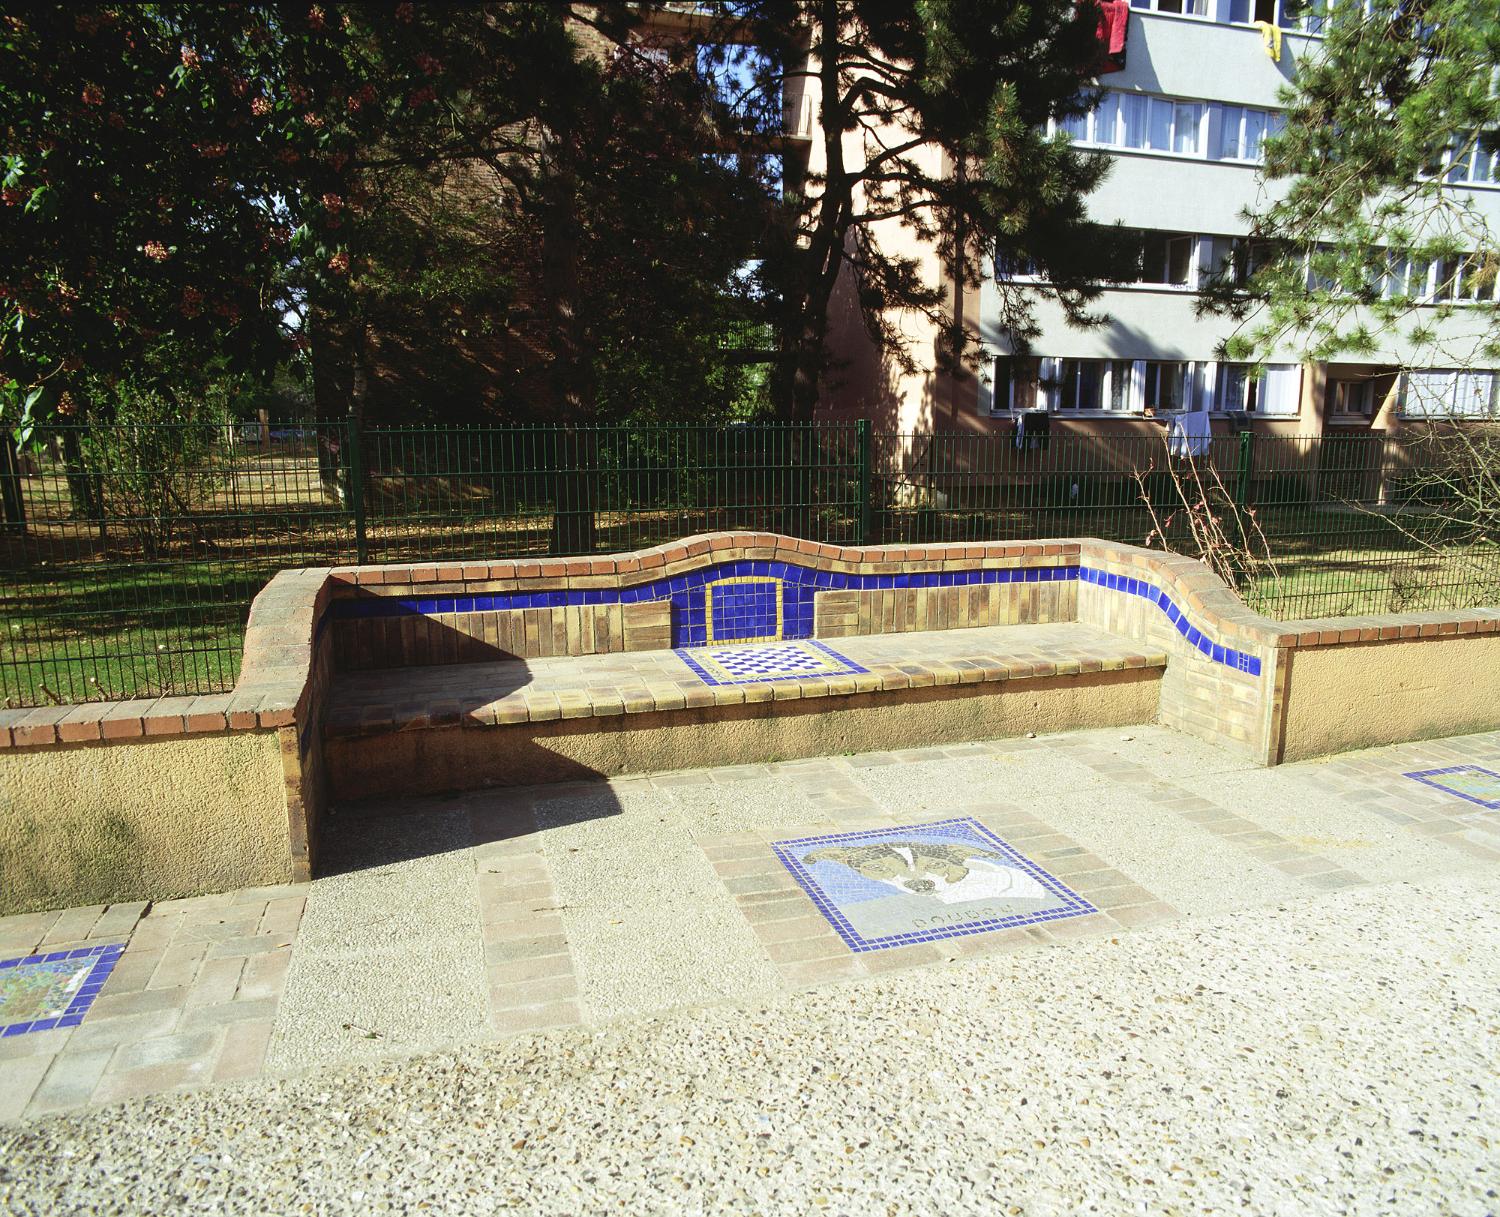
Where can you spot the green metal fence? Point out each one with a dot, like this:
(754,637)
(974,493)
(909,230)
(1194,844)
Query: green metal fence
(129,555)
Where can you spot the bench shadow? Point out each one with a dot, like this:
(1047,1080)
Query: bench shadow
(368,834)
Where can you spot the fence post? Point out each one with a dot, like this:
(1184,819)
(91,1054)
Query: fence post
(1247,467)
(354,469)
(862,436)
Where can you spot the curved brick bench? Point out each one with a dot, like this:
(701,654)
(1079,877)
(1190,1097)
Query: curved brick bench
(431,676)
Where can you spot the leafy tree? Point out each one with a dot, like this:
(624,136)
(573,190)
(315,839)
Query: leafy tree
(1384,125)
(933,117)
(499,193)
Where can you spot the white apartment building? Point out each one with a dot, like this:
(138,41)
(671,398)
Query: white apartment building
(1183,124)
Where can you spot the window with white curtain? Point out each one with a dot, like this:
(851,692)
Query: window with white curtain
(1277,391)
(1067,385)
(1447,393)
(1146,123)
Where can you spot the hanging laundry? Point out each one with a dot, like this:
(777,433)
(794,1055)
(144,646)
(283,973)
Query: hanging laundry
(1114,27)
(1189,434)
(1270,39)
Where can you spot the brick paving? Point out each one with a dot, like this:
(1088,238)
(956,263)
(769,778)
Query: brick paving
(582,904)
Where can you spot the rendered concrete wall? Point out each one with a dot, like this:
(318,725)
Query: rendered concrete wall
(1364,694)
(94,824)
(569,749)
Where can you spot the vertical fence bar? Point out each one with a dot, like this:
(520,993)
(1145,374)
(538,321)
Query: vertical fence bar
(1247,468)
(354,469)
(862,437)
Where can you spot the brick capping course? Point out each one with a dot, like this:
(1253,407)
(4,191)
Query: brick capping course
(275,688)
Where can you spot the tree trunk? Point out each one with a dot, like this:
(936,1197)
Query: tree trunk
(575,447)
(337,340)
(12,498)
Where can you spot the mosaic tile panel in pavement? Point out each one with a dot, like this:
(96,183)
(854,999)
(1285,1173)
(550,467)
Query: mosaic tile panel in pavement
(1469,782)
(743,665)
(40,992)
(892,887)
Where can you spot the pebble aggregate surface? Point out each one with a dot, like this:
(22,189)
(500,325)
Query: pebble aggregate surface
(1332,1054)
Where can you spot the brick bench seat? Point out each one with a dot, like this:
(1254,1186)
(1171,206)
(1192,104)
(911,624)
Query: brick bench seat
(448,726)
(587,686)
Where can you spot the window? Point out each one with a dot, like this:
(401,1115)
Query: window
(1015,266)
(1164,385)
(1304,15)
(1167,258)
(1087,384)
(1277,391)
(1352,398)
(1438,393)
(1242,131)
(1194,8)
(1235,390)
(1163,124)
(1463,280)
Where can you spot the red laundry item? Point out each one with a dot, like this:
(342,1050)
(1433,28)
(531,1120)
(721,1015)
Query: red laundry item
(1114,23)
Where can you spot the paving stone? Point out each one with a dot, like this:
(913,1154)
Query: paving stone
(147,1001)
(510,950)
(152,1079)
(227,1013)
(132,971)
(118,920)
(513,995)
(243,1054)
(539,967)
(125,1029)
(19,1081)
(72,925)
(70,1081)
(171,1049)
(265,975)
(35,1043)
(535,1018)
(179,965)
(254,944)
(217,981)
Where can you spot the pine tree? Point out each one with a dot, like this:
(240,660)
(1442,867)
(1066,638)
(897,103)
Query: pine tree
(1384,125)
(933,115)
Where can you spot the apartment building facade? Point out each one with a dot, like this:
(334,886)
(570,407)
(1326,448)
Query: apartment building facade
(1183,122)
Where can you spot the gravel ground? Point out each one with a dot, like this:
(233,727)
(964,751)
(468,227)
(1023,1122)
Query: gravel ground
(1328,1055)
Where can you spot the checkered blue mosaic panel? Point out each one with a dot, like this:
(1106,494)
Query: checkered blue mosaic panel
(891,887)
(1468,782)
(754,663)
(40,992)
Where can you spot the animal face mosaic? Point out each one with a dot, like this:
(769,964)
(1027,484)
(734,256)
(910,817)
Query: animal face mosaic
(1466,781)
(892,887)
(744,665)
(40,992)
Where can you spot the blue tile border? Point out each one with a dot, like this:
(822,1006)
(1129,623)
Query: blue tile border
(1426,776)
(1074,904)
(104,957)
(847,666)
(1240,661)
(799,584)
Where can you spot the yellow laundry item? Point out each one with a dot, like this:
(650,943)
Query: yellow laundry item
(1270,38)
